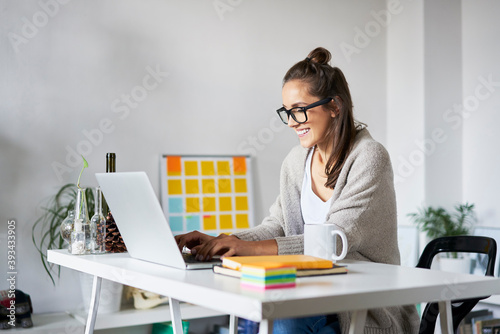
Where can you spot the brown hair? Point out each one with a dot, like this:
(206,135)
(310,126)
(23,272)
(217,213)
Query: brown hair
(325,81)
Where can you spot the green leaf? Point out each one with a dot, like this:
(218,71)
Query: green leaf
(85,165)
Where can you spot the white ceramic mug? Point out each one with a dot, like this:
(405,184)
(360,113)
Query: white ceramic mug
(320,240)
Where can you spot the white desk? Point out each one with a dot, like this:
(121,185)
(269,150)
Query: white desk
(367,285)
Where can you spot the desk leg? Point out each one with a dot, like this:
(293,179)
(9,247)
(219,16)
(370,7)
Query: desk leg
(233,324)
(358,319)
(94,305)
(175,315)
(266,326)
(446,317)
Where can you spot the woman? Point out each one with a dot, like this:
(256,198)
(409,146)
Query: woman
(338,175)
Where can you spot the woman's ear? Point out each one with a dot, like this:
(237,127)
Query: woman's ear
(336,105)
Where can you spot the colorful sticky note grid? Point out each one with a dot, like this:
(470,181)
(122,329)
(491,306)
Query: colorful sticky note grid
(242,221)
(193,223)
(209,223)
(175,205)
(192,187)
(240,185)
(224,186)
(241,203)
(174,187)
(209,204)
(208,186)
(176,223)
(207,168)
(212,194)
(191,168)
(226,222)
(268,276)
(225,204)
(239,166)
(192,204)
(223,168)
(174,165)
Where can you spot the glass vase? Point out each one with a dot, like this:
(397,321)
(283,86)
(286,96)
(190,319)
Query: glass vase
(98,226)
(81,213)
(67,226)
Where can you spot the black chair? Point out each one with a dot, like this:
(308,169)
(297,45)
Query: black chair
(466,244)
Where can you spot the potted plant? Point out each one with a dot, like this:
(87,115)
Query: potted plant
(45,232)
(438,222)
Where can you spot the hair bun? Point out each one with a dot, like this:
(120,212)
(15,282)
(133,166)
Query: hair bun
(320,56)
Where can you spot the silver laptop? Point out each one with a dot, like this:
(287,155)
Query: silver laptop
(142,224)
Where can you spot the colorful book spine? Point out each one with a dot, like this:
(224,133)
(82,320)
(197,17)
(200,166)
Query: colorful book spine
(268,276)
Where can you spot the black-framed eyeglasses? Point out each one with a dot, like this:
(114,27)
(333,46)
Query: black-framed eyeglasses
(299,114)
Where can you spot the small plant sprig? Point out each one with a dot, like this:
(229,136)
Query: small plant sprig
(85,165)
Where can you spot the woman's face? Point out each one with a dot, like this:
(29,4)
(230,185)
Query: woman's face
(313,131)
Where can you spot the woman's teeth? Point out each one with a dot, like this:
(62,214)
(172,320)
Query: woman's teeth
(302,132)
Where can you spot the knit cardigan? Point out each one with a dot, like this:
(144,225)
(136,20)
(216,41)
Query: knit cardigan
(363,206)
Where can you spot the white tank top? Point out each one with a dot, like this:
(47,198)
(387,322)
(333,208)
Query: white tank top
(313,208)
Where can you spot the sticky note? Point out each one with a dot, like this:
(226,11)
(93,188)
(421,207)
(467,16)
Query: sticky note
(174,165)
(207,168)
(209,223)
(223,168)
(191,168)
(239,166)
(192,204)
(176,223)
(224,186)
(174,187)
(242,221)
(241,203)
(208,186)
(240,185)
(225,204)
(192,187)
(226,221)
(209,204)
(175,205)
(193,223)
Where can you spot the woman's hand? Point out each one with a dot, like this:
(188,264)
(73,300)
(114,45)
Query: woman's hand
(229,245)
(192,239)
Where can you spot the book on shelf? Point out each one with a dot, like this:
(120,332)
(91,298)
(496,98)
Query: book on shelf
(489,326)
(299,261)
(466,324)
(477,323)
(335,270)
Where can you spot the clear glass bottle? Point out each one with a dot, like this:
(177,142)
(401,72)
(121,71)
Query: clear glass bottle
(78,239)
(67,227)
(98,225)
(81,212)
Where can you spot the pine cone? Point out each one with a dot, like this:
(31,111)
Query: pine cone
(114,240)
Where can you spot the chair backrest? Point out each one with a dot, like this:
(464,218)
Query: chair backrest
(461,244)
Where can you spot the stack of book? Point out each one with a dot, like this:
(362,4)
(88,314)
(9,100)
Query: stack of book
(268,276)
(305,265)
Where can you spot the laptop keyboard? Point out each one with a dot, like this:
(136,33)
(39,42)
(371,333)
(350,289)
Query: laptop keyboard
(189,258)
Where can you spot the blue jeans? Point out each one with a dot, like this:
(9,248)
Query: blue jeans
(319,324)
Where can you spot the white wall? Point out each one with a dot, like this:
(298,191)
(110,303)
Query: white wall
(405,104)
(481,102)
(68,76)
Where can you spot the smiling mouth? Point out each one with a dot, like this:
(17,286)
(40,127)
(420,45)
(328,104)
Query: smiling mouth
(302,132)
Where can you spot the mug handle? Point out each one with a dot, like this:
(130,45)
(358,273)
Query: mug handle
(342,236)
